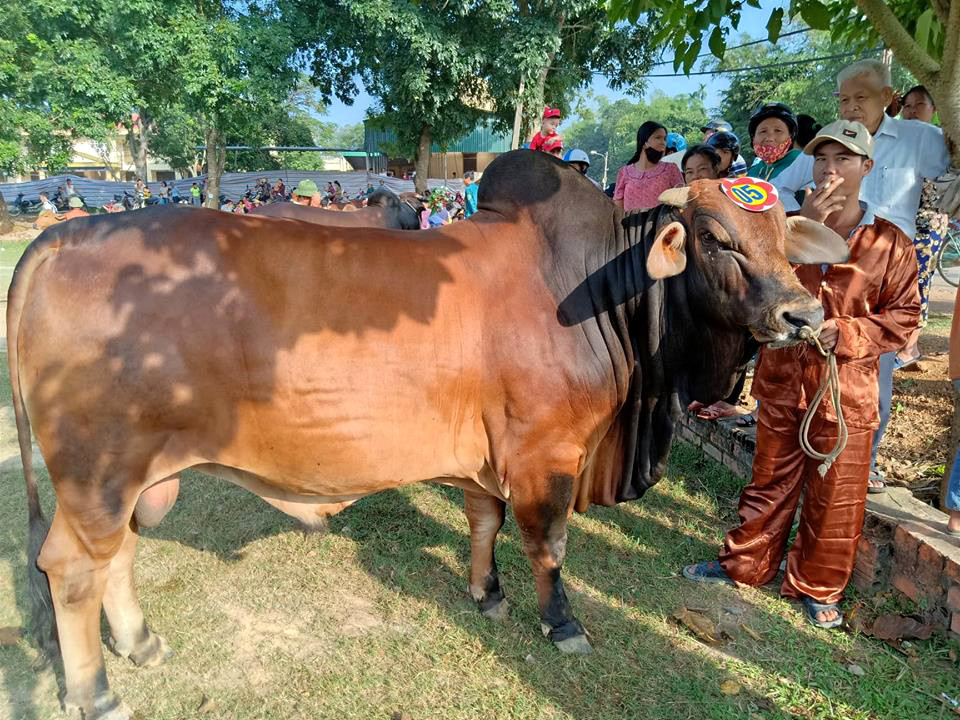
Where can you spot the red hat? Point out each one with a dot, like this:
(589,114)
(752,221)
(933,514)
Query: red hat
(552,143)
(549,112)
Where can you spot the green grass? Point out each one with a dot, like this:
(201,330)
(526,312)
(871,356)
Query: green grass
(10,252)
(373,619)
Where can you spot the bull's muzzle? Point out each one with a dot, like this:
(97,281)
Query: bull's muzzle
(783,324)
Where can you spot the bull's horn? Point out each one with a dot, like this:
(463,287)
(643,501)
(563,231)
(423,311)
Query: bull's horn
(677,197)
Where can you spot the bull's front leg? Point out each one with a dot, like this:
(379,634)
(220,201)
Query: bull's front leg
(485,513)
(541,504)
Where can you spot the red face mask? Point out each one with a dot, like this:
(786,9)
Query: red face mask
(771,153)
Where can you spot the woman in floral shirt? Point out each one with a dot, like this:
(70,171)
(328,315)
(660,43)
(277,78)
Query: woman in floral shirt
(640,182)
(931,227)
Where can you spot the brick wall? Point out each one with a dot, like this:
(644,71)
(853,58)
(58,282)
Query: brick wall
(903,545)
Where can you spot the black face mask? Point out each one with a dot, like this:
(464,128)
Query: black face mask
(653,155)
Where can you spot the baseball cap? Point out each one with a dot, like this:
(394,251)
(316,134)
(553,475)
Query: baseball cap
(549,112)
(849,133)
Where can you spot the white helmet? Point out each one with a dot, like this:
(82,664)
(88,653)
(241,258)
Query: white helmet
(576,155)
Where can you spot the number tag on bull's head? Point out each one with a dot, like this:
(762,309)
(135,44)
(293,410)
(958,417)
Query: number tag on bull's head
(750,193)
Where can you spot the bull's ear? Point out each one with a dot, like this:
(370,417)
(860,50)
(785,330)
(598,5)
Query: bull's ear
(811,243)
(667,255)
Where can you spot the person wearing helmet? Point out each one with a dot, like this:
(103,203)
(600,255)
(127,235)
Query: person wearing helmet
(727,146)
(715,126)
(579,161)
(773,130)
(676,147)
(675,142)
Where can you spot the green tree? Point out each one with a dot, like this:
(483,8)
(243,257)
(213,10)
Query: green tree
(423,62)
(923,36)
(436,67)
(612,127)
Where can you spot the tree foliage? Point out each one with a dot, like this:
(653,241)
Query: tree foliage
(923,36)
(435,68)
(612,126)
(807,88)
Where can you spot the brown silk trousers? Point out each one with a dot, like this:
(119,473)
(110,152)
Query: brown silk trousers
(821,560)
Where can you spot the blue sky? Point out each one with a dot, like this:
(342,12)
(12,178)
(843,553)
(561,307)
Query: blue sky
(752,23)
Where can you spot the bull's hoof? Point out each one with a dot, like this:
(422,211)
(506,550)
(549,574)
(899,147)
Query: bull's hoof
(106,707)
(576,645)
(498,612)
(153,651)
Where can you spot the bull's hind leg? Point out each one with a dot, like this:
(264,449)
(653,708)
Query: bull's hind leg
(131,636)
(540,505)
(77,569)
(485,514)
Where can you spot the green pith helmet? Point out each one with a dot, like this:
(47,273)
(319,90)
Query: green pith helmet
(305,188)
(75,202)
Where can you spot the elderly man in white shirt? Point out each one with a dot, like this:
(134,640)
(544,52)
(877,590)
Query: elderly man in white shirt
(905,152)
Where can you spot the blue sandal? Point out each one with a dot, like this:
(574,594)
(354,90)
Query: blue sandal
(811,609)
(709,572)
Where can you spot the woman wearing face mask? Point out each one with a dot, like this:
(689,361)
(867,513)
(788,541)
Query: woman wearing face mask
(772,131)
(640,182)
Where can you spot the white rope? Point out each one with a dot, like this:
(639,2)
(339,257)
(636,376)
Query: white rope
(831,384)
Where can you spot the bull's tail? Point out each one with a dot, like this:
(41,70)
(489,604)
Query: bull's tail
(39,600)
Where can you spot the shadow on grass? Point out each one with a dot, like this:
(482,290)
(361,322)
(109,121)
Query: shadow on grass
(621,574)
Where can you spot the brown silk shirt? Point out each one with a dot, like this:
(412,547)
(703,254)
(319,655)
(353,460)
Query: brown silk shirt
(875,300)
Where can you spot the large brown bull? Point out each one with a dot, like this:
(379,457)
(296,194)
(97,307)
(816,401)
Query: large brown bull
(384,210)
(537,354)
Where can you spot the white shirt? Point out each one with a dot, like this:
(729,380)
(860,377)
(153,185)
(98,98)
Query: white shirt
(904,153)
(675,158)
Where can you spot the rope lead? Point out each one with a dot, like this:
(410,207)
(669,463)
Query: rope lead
(831,384)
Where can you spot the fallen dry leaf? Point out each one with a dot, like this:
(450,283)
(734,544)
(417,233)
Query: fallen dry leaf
(896,627)
(699,624)
(730,687)
(751,632)
(10,635)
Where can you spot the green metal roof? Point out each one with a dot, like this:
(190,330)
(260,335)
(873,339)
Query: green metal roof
(482,139)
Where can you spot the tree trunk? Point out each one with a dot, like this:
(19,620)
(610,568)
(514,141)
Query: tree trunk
(216,158)
(536,107)
(518,118)
(941,78)
(422,164)
(538,101)
(140,145)
(6,222)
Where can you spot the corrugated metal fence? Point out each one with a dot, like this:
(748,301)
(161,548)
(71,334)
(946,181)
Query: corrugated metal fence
(97,193)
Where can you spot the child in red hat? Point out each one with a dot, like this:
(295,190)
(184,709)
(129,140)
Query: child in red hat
(553,144)
(548,127)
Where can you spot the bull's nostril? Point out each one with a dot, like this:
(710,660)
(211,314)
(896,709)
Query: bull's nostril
(801,318)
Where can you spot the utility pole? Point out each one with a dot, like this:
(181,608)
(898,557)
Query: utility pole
(606,156)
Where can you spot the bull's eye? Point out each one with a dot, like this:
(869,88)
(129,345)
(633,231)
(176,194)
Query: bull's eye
(709,242)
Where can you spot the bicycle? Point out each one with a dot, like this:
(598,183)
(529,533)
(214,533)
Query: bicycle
(948,257)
